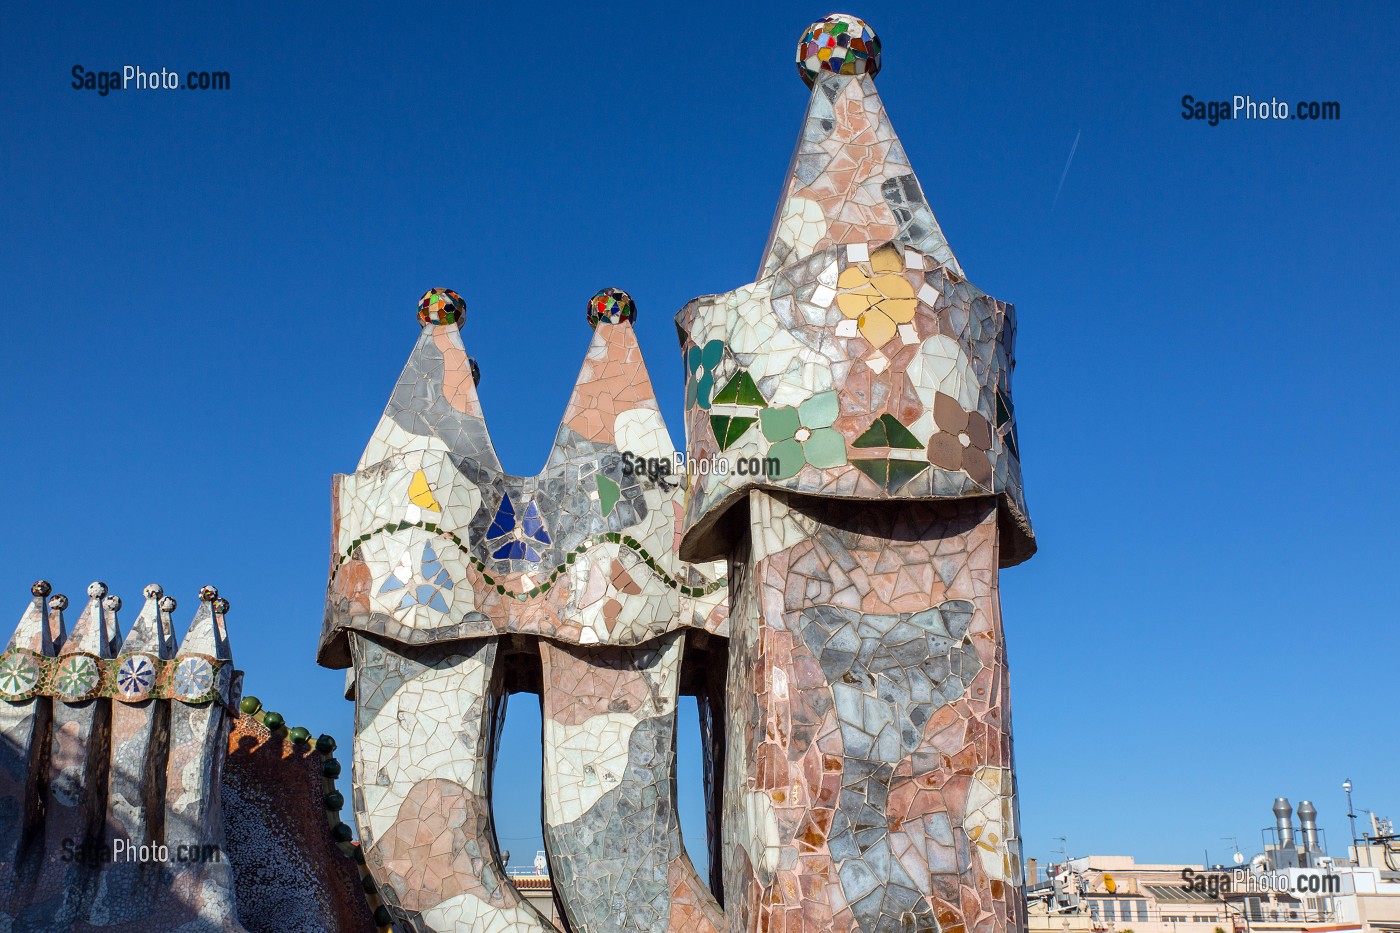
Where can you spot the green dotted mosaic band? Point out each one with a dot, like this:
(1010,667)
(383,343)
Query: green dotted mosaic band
(131,677)
(612,537)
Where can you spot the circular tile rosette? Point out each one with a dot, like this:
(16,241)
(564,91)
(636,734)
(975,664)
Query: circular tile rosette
(19,675)
(136,677)
(194,680)
(77,677)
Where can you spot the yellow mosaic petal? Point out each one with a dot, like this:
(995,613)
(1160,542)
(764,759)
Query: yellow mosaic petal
(876,327)
(852,305)
(852,277)
(893,286)
(421,494)
(900,310)
(886,259)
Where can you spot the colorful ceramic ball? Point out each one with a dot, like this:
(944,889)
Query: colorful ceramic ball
(112,603)
(41,588)
(220,606)
(839,43)
(153,591)
(97,589)
(441,306)
(208,594)
(58,602)
(611,306)
(168,604)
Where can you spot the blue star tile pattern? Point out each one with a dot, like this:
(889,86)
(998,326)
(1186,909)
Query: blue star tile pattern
(428,593)
(522,535)
(135,676)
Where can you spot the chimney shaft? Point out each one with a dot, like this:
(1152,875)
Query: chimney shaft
(1283,819)
(1032,871)
(1307,822)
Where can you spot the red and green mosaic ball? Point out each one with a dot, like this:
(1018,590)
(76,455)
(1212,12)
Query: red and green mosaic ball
(441,306)
(611,306)
(839,43)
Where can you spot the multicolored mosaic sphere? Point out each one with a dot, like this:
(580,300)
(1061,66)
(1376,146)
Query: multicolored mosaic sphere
(221,606)
(611,306)
(58,602)
(112,603)
(97,589)
(441,306)
(839,43)
(208,593)
(153,591)
(168,604)
(41,588)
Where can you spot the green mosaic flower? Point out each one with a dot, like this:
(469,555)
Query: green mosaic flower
(18,674)
(77,677)
(804,435)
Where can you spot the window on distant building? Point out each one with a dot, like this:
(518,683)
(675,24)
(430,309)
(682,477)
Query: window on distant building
(1142,911)
(1094,909)
(1108,910)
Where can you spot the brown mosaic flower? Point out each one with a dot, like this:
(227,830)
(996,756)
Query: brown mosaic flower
(963,440)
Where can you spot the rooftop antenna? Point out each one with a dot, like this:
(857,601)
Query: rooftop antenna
(1351,814)
(1235,844)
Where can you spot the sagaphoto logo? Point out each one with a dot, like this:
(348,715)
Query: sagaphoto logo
(134,77)
(1244,107)
(1299,882)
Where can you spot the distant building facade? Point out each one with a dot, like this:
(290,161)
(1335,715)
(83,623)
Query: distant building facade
(1292,886)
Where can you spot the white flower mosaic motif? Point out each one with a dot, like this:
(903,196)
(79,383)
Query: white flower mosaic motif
(77,677)
(135,677)
(193,678)
(18,674)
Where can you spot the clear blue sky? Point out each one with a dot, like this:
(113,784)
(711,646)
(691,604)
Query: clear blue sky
(207,297)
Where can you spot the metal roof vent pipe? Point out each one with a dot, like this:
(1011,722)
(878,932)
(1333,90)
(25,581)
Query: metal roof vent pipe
(1307,822)
(1283,820)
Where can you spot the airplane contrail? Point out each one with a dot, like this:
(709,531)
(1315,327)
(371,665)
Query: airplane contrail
(1065,173)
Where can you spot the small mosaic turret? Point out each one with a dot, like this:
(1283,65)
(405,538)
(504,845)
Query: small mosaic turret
(432,540)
